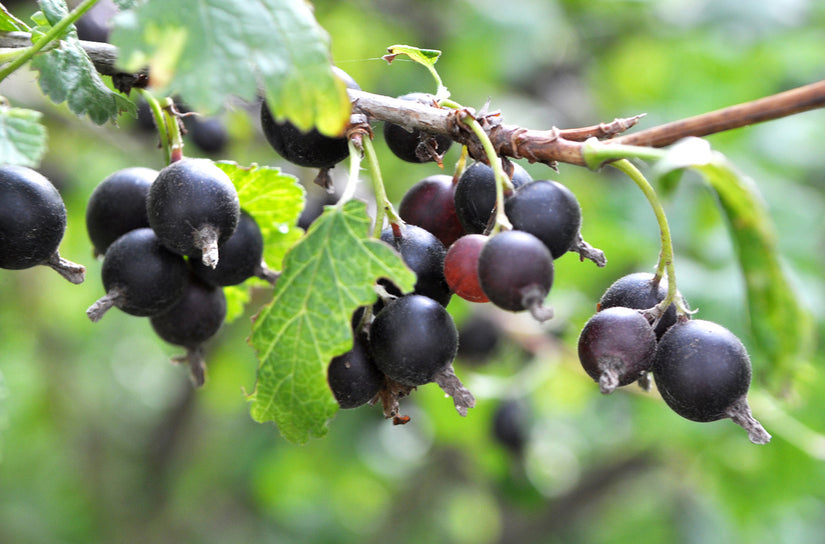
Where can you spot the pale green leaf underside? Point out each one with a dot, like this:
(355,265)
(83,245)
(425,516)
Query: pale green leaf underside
(22,137)
(326,277)
(233,47)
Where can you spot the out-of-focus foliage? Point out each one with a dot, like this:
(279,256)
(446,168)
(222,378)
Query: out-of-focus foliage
(103,440)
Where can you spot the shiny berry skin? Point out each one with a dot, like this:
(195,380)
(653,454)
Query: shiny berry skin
(415,146)
(140,276)
(638,291)
(193,208)
(549,211)
(475,195)
(424,254)
(353,377)
(515,270)
(118,205)
(461,267)
(32,218)
(616,347)
(412,339)
(430,204)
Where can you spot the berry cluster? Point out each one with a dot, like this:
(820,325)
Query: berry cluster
(170,240)
(701,369)
(32,223)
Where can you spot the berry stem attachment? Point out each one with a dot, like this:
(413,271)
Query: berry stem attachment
(73,272)
(48,38)
(665,265)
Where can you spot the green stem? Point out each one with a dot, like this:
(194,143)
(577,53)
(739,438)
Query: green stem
(665,264)
(11,55)
(384,207)
(354,169)
(53,34)
(596,153)
(502,180)
(160,122)
(175,138)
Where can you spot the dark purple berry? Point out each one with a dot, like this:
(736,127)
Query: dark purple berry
(140,276)
(209,134)
(193,208)
(353,377)
(515,270)
(638,291)
(415,145)
(703,373)
(549,211)
(424,254)
(510,425)
(118,205)
(475,195)
(430,204)
(32,223)
(412,339)
(616,347)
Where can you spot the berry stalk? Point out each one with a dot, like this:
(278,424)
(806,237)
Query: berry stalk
(384,207)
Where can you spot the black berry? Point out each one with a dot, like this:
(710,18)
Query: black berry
(241,257)
(209,134)
(32,223)
(639,291)
(118,205)
(353,377)
(510,424)
(193,208)
(616,347)
(703,373)
(412,339)
(415,145)
(515,270)
(475,195)
(140,276)
(549,211)
(424,254)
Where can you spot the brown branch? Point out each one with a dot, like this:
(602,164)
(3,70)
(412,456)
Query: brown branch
(772,107)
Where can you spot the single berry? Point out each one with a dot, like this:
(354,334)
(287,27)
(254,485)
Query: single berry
(414,145)
(118,205)
(353,377)
(193,208)
(475,195)
(639,291)
(310,149)
(515,270)
(461,267)
(412,339)
(32,223)
(478,338)
(430,204)
(209,134)
(616,347)
(191,321)
(96,24)
(510,425)
(424,254)
(703,373)
(140,276)
(241,257)
(549,211)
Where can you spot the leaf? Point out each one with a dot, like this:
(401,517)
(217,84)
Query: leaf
(326,277)
(10,23)
(277,43)
(22,137)
(425,57)
(68,75)
(782,328)
(275,200)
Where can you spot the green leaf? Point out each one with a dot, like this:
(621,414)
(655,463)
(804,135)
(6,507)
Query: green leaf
(22,137)
(326,277)
(10,23)
(782,328)
(68,75)
(277,43)
(425,57)
(275,200)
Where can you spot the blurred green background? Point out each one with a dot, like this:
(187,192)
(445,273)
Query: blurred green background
(102,439)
